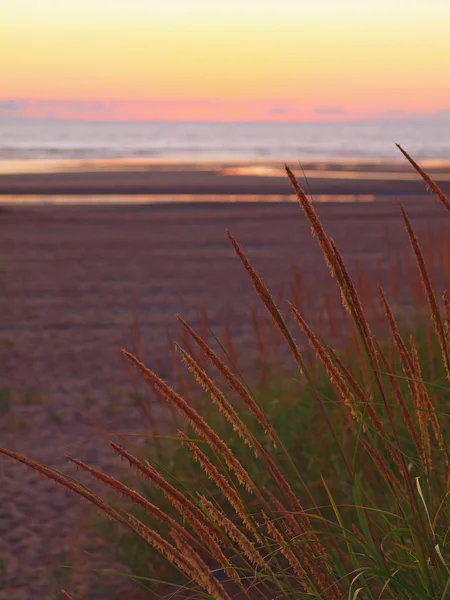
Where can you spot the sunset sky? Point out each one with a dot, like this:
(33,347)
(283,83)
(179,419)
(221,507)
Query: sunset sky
(266,60)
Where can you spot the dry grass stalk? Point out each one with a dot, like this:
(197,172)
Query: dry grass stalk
(429,291)
(202,526)
(347,288)
(348,291)
(403,353)
(428,406)
(181,560)
(278,319)
(209,582)
(213,473)
(284,486)
(313,553)
(136,498)
(312,561)
(220,400)
(430,350)
(245,545)
(381,464)
(191,513)
(228,343)
(405,359)
(361,323)
(378,426)
(337,267)
(295,532)
(197,422)
(303,524)
(421,406)
(447,316)
(280,480)
(353,384)
(65,484)
(234,382)
(298,291)
(261,342)
(178,376)
(287,552)
(412,377)
(431,185)
(333,373)
(403,406)
(316,226)
(163,546)
(318,570)
(297,528)
(288,520)
(268,301)
(204,327)
(132,523)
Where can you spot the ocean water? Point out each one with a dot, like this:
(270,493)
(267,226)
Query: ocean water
(28,139)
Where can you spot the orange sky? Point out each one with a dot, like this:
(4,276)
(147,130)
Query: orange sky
(225,59)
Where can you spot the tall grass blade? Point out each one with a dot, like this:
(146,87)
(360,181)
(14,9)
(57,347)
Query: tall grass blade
(431,185)
(432,302)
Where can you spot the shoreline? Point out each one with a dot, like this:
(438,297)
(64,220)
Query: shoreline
(94,178)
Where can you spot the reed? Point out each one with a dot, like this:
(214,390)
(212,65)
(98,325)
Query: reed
(224,405)
(222,483)
(233,381)
(197,422)
(333,487)
(431,185)
(333,372)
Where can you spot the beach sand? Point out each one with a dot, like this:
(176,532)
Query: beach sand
(75,280)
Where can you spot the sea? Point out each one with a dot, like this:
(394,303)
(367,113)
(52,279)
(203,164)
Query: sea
(39,139)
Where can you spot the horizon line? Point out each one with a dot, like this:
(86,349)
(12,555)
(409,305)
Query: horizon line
(437,117)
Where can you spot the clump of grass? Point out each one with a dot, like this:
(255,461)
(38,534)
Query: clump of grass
(349,500)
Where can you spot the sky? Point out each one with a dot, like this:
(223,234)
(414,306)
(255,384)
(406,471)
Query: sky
(224,60)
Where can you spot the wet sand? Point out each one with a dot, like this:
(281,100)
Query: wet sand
(75,279)
(260,178)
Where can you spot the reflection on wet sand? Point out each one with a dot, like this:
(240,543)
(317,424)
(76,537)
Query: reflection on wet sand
(136,199)
(116,180)
(263,171)
(346,168)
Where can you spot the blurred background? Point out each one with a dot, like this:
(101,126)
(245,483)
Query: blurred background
(208,80)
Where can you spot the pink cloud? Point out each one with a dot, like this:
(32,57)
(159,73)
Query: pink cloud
(192,110)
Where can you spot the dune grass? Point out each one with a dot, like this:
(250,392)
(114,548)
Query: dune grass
(330,483)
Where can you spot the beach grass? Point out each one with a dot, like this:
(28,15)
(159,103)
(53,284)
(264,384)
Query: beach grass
(328,479)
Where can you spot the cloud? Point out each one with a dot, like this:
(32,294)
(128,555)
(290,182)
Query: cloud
(398,116)
(329,110)
(278,110)
(79,107)
(12,107)
(54,109)
(394,114)
(177,109)
(440,116)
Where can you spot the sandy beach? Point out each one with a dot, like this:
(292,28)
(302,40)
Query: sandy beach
(76,280)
